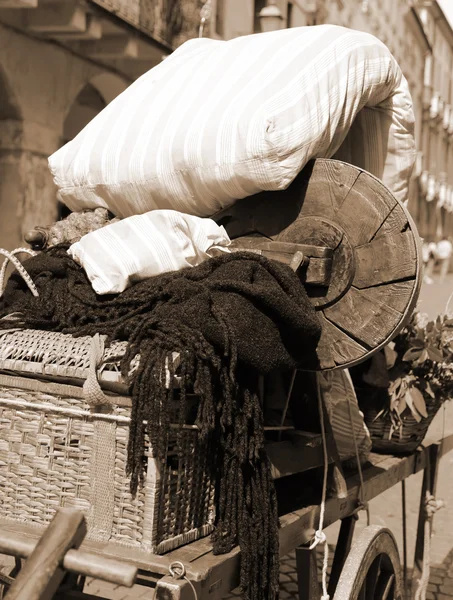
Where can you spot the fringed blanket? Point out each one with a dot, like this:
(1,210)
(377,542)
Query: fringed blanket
(232,319)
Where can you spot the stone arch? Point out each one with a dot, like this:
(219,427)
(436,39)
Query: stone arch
(91,99)
(87,104)
(107,86)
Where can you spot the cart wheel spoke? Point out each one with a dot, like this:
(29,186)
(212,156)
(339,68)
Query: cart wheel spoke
(385,589)
(372,570)
(372,578)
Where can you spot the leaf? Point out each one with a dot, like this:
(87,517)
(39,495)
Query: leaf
(395,386)
(429,390)
(419,401)
(435,355)
(380,413)
(401,407)
(390,356)
(412,354)
(421,359)
(410,403)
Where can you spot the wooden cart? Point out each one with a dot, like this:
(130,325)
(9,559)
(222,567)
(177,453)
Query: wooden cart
(357,250)
(193,572)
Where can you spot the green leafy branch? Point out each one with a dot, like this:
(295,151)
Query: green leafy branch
(420,362)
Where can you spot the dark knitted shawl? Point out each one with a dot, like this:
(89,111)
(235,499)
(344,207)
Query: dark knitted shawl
(232,319)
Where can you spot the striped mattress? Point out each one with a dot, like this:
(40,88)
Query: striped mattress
(221,120)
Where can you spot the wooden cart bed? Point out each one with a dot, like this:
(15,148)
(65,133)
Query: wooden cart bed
(212,577)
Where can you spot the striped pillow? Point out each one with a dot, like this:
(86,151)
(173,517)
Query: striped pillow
(346,419)
(221,120)
(139,247)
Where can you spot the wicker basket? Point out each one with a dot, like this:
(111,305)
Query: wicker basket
(57,450)
(404,440)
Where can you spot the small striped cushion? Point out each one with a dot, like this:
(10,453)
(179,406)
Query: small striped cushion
(136,248)
(221,120)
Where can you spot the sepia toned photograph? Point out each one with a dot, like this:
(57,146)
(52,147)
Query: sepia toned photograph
(226,299)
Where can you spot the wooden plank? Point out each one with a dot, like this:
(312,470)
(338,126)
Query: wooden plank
(219,574)
(307,573)
(396,222)
(74,561)
(336,346)
(364,210)
(41,574)
(370,186)
(313,271)
(428,488)
(368,317)
(295,455)
(214,576)
(325,184)
(278,246)
(170,588)
(136,556)
(317,272)
(397,295)
(385,260)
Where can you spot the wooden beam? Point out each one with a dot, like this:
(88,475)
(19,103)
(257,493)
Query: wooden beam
(41,575)
(307,573)
(57,18)
(93,31)
(112,46)
(76,561)
(18,3)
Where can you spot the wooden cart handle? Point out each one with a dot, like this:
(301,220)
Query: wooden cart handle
(76,561)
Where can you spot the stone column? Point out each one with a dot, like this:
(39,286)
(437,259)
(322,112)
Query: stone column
(27,192)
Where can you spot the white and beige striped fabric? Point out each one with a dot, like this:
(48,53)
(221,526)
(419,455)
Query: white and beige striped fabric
(220,120)
(348,425)
(136,248)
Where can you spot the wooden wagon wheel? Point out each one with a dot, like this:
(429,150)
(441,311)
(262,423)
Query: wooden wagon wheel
(361,250)
(372,570)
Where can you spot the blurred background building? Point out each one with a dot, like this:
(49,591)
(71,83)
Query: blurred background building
(62,61)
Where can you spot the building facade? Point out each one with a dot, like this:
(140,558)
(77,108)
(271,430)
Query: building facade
(60,64)
(436,178)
